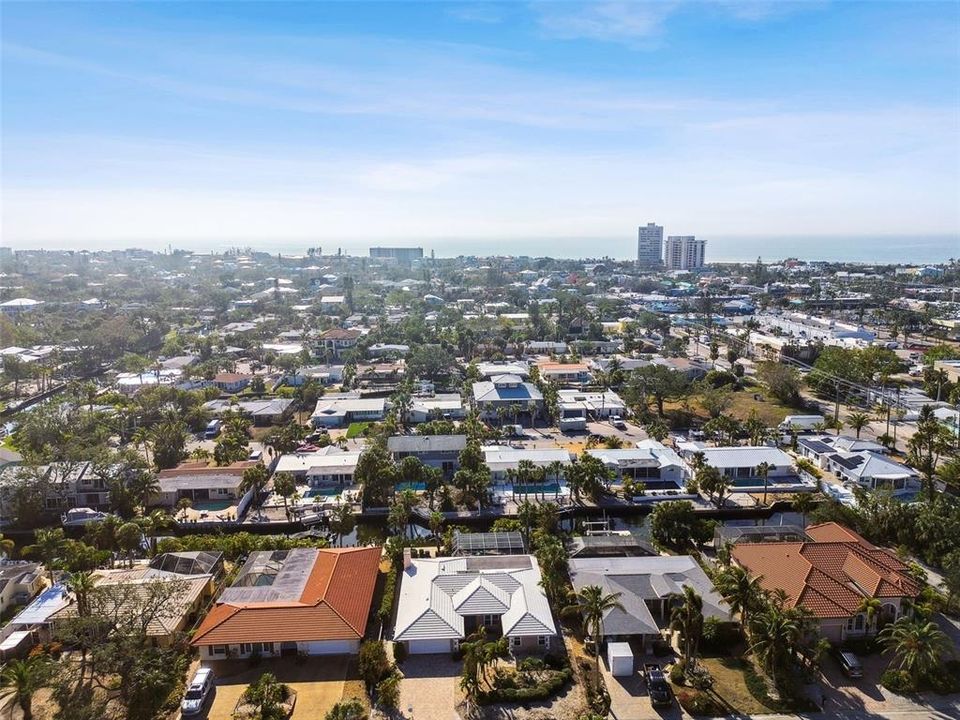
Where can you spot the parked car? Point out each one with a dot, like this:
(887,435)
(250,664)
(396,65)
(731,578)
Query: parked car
(849,663)
(255,455)
(657,686)
(199,692)
(618,422)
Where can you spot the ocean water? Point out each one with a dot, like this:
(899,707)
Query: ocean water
(906,249)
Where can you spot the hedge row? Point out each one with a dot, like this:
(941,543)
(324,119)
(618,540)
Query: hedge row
(389,591)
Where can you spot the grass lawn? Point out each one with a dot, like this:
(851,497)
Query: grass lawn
(357,429)
(769,409)
(730,686)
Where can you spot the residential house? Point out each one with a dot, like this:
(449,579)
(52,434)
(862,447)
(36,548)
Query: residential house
(19,582)
(504,460)
(444,600)
(649,588)
(268,411)
(340,409)
(231,382)
(590,404)
(490,370)
(740,465)
(305,601)
(216,490)
(445,406)
(831,575)
(509,392)
(868,469)
(652,463)
(439,451)
(329,467)
(564,373)
(335,341)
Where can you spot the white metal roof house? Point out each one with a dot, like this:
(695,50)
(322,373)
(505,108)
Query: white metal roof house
(506,391)
(657,467)
(576,403)
(343,408)
(444,600)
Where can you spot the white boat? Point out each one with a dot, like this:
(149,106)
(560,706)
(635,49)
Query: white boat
(81,516)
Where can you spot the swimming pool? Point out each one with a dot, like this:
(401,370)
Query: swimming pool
(212,505)
(546,489)
(417,486)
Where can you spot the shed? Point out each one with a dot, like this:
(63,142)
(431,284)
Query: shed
(620,659)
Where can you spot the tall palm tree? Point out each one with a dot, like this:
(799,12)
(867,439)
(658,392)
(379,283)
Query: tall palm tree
(858,421)
(129,538)
(48,546)
(687,618)
(81,584)
(742,592)
(763,470)
(22,679)
(917,645)
(591,604)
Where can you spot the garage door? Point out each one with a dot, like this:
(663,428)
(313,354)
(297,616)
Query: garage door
(329,647)
(425,647)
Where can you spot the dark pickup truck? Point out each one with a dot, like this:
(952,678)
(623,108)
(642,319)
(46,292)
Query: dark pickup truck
(657,686)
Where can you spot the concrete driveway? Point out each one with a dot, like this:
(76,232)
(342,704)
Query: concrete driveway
(428,689)
(318,682)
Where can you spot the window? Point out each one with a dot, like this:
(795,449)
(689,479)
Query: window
(245,648)
(858,622)
(543,641)
(488,620)
(219,650)
(515,641)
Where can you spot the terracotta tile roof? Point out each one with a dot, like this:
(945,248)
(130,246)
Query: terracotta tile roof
(333,605)
(833,532)
(341,334)
(829,576)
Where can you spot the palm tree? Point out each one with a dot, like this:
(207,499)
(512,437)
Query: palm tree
(284,485)
(592,604)
(687,618)
(436,527)
(342,522)
(858,421)
(803,503)
(48,546)
(741,591)
(774,632)
(917,645)
(184,504)
(129,537)
(22,679)
(81,584)
(763,470)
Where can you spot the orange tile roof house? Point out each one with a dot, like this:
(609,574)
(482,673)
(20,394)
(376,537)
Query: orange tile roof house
(831,575)
(289,602)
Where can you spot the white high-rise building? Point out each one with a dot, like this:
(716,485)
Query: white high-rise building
(684,252)
(650,245)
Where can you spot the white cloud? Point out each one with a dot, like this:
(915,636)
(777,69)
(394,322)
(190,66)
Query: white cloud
(616,21)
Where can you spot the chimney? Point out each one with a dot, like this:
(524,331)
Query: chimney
(407,561)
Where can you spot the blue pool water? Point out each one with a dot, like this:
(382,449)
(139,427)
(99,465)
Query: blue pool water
(548,489)
(418,486)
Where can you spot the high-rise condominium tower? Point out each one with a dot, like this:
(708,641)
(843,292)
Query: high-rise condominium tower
(650,245)
(684,252)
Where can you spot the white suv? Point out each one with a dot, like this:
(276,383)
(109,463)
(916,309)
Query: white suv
(198,692)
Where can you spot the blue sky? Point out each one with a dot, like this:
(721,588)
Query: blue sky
(476,125)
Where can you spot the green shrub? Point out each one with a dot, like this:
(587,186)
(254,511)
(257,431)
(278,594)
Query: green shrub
(372,663)
(389,591)
(388,692)
(399,652)
(677,676)
(945,679)
(898,681)
(699,703)
(718,637)
(351,709)
(531,663)
(545,689)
